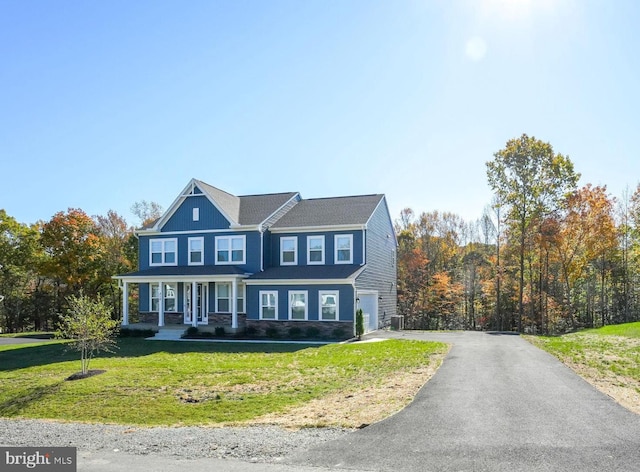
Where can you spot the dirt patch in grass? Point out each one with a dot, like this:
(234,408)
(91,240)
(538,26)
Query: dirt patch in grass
(358,408)
(90,373)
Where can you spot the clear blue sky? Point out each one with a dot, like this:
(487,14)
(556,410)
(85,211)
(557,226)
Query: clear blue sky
(105,103)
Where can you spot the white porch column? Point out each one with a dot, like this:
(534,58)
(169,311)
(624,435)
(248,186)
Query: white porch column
(234,304)
(125,303)
(194,308)
(161,305)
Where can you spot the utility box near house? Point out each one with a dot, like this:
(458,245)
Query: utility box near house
(397,322)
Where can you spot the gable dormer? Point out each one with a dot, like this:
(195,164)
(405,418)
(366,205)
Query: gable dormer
(199,207)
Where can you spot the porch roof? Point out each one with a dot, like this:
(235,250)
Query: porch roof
(182,272)
(340,272)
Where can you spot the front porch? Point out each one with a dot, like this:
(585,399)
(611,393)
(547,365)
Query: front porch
(201,297)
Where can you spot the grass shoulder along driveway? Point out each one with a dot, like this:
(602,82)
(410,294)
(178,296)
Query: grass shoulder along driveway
(182,383)
(607,357)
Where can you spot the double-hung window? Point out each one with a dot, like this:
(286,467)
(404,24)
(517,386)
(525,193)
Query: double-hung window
(196,251)
(289,250)
(163,252)
(230,249)
(298,304)
(223,297)
(268,305)
(240,295)
(315,250)
(169,297)
(344,249)
(328,305)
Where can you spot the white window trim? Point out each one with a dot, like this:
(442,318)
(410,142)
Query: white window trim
(163,297)
(309,261)
(306,304)
(196,214)
(241,295)
(230,238)
(218,284)
(189,251)
(295,250)
(151,297)
(269,292)
(335,248)
(164,241)
(336,294)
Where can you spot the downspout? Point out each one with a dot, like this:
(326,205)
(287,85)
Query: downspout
(261,250)
(364,246)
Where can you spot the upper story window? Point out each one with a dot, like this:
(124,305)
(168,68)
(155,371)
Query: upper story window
(163,252)
(230,249)
(289,251)
(196,251)
(344,249)
(315,249)
(196,214)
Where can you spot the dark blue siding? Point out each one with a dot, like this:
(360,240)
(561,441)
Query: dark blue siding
(252,256)
(346,300)
(182,219)
(329,246)
(380,274)
(143,297)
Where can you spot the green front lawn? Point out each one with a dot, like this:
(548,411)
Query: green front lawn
(184,383)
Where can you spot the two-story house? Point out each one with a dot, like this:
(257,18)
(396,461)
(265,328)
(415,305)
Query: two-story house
(266,261)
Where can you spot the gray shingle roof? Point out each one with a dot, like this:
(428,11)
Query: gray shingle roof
(335,211)
(340,271)
(230,204)
(248,209)
(254,209)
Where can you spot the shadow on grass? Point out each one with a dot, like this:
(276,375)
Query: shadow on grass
(27,355)
(15,405)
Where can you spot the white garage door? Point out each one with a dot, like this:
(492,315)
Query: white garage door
(369,304)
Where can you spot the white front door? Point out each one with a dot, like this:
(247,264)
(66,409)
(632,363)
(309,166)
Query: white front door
(201,301)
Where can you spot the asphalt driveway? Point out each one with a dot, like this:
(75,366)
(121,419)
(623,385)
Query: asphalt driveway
(496,404)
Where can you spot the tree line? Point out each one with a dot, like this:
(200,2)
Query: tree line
(46,264)
(545,257)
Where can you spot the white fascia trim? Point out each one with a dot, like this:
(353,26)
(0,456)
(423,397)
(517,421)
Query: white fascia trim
(317,229)
(233,230)
(261,224)
(178,278)
(173,207)
(296,282)
(393,232)
(183,195)
(374,211)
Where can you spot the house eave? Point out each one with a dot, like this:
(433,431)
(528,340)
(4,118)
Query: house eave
(178,278)
(348,281)
(317,229)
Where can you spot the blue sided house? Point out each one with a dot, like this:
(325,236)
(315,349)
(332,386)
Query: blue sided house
(259,262)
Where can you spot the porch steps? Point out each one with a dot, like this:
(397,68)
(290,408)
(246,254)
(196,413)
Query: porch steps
(168,334)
